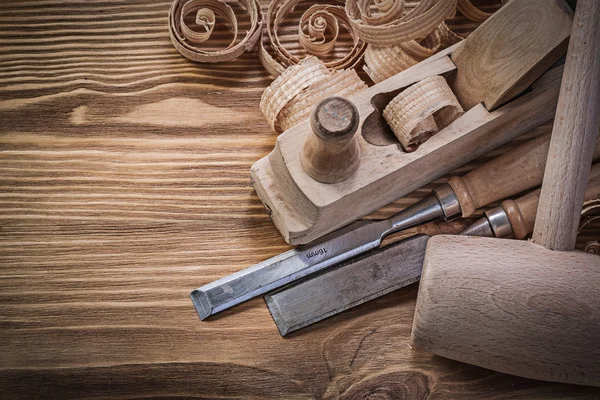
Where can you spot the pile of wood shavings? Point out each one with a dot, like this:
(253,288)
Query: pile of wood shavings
(389,35)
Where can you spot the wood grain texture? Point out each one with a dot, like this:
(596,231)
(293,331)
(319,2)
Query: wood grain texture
(515,171)
(522,212)
(576,128)
(124,185)
(331,153)
(511,306)
(304,209)
(509,52)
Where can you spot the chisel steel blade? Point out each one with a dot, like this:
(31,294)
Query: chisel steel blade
(353,282)
(288,267)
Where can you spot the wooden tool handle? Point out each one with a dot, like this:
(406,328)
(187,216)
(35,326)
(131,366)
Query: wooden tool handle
(576,128)
(504,176)
(331,153)
(521,212)
(513,172)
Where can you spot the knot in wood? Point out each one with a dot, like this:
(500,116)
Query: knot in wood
(406,385)
(335,119)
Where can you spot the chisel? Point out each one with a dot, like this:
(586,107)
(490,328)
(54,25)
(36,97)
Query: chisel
(384,270)
(507,175)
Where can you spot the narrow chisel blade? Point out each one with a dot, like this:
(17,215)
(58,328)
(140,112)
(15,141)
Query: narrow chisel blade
(353,282)
(288,267)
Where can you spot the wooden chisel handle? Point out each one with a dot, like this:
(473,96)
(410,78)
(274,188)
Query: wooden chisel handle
(521,212)
(513,172)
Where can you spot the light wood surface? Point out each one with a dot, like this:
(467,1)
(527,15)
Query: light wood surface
(516,315)
(509,51)
(331,153)
(576,127)
(123,186)
(516,306)
(304,209)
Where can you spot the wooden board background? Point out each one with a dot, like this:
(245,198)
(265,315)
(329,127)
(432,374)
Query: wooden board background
(123,185)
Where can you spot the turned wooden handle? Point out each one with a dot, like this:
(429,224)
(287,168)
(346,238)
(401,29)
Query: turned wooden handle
(576,128)
(522,212)
(331,153)
(513,172)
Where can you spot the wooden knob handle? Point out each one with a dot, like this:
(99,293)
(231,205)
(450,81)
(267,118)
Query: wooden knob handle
(576,128)
(331,153)
(522,212)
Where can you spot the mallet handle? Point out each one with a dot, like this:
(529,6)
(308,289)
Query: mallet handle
(576,127)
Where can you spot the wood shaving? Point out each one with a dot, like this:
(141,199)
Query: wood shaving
(382,62)
(590,216)
(421,110)
(471,12)
(391,25)
(315,25)
(342,83)
(317,41)
(290,98)
(186,40)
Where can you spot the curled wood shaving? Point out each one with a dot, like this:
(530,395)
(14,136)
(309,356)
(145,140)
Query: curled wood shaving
(592,247)
(289,84)
(185,39)
(290,98)
(471,12)
(382,62)
(315,24)
(590,214)
(342,83)
(391,25)
(318,32)
(421,110)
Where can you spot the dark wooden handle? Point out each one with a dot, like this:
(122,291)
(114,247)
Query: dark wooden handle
(521,212)
(576,128)
(513,172)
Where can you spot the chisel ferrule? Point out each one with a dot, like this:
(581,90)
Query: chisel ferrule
(499,222)
(481,227)
(449,201)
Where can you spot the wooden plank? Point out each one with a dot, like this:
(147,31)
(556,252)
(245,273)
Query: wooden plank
(123,186)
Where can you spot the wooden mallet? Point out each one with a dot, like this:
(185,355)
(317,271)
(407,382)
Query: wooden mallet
(529,308)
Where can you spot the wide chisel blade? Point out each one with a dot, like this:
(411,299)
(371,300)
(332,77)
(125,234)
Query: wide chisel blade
(353,282)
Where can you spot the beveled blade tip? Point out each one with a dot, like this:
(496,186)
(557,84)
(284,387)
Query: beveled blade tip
(282,326)
(201,303)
